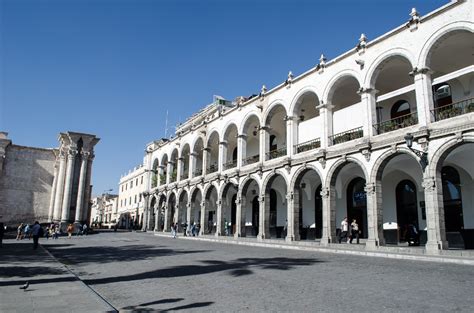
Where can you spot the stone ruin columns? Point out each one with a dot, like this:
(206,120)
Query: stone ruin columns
(70,194)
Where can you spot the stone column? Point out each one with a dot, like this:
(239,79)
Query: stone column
(68,185)
(329,215)
(53,194)
(220,219)
(203,218)
(188,214)
(241,149)
(290,140)
(87,192)
(192,164)
(168,172)
(180,168)
(222,158)
(292,228)
(205,160)
(374,216)
(239,219)
(146,215)
(157,217)
(436,232)
(264,218)
(263,143)
(81,187)
(370,116)
(325,110)
(424,95)
(60,187)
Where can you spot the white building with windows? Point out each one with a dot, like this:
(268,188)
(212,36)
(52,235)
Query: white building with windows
(383,134)
(104,210)
(130,200)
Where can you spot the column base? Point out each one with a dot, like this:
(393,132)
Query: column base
(326,241)
(435,247)
(260,237)
(372,244)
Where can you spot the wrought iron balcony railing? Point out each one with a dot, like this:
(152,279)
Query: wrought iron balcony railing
(212,168)
(230,164)
(453,109)
(347,136)
(185,174)
(197,172)
(251,159)
(308,145)
(397,123)
(270,155)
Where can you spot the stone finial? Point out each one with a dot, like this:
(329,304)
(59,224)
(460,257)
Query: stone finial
(361,46)
(289,79)
(322,64)
(263,91)
(414,20)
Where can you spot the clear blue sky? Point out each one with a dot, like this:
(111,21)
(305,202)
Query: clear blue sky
(113,68)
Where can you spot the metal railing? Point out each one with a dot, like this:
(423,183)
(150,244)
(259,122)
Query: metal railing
(270,155)
(348,135)
(212,168)
(230,164)
(453,109)
(173,176)
(197,172)
(162,179)
(397,123)
(251,159)
(308,145)
(185,175)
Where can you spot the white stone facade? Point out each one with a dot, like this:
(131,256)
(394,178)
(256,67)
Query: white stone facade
(130,203)
(104,210)
(295,160)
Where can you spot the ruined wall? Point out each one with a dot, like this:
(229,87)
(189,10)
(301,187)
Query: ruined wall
(25,184)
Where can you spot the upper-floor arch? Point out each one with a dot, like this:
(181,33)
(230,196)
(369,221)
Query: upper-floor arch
(341,80)
(251,119)
(387,62)
(300,97)
(425,58)
(270,110)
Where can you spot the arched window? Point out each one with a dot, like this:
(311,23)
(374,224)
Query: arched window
(357,204)
(400,108)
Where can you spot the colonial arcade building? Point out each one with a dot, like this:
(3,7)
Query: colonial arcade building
(383,134)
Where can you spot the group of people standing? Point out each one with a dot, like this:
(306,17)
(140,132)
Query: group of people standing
(349,232)
(27,231)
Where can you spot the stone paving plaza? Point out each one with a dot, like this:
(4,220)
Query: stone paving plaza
(142,272)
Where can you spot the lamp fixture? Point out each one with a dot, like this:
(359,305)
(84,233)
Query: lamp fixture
(421,154)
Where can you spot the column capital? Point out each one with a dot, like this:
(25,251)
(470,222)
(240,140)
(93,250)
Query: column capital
(326,105)
(223,143)
(261,199)
(419,71)
(71,153)
(289,118)
(242,136)
(289,196)
(366,91)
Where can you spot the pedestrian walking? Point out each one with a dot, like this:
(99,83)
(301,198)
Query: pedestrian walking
(26,232)
(36,231)
(354,231)
(19,232)
(185,228)
(193,229)
(174,229)
(69,229)
(85,229)
(344,230)
(79,230)
(47,233)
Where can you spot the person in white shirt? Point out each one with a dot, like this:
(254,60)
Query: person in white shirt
(344,230)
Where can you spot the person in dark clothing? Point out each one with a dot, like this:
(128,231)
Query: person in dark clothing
(36,231)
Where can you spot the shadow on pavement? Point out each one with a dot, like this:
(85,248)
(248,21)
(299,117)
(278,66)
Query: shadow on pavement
(142,307)
(82,255)
(236,268)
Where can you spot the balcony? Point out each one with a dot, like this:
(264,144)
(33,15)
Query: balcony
(230,164)
(162,179)
(173,176)
(212,168)
(270,155)
(308,145)
(453,109)
(347,136)
(185,174)
(197,172)
(397,123)
(251,159)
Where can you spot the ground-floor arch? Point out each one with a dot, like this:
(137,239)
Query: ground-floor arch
(250,208)
(276,207)
(308,211)
(229,209)
(209,211)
